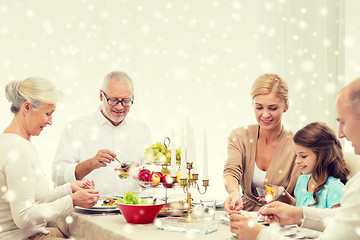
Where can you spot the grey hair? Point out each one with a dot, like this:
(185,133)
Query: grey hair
(118,76)
(36,90)
(354,96)
(354,100)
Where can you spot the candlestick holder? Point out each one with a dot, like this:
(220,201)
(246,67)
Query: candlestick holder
(191,182)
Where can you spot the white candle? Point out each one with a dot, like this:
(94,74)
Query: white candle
(205,156)
(183,156)
(188,141)
(173,157)
(193,152)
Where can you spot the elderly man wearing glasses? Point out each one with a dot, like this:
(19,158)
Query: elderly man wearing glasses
(89,146)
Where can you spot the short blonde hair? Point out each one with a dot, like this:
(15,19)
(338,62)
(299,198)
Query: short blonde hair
(36,90)
(270,83)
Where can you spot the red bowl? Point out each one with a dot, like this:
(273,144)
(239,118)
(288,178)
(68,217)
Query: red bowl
(139,214)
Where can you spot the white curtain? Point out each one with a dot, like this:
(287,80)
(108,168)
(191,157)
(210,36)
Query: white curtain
(304,40)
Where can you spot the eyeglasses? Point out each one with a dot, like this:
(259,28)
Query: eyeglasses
(116,101)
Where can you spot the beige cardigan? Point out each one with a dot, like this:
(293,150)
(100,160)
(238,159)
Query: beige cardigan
(283,171)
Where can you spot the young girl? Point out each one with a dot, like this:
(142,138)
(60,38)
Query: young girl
(320,158)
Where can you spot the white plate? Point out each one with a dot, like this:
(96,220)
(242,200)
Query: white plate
(112,209)
(99,208)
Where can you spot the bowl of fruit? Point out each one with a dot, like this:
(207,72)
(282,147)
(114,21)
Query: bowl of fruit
(147,178)
(138,211)
(159,154)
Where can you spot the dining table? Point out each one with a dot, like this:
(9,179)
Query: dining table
(84,225)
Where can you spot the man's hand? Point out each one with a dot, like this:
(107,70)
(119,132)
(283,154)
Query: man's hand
(233,202)
(244,227)
(282,213)
(102,158)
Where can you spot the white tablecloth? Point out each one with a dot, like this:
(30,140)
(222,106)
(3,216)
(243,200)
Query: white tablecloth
(96,227)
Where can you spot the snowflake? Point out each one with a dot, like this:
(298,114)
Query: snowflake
(236,5)
(29,13)
(69,219)
(303,25)
(128,228)
(48,27)
(104,14)
(3,9)
(4,30)
(326,42)
(357,230)
(307,66)
(251,223)
(324,11)
(268,6)
(303,118)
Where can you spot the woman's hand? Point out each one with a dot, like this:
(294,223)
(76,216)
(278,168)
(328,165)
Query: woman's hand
(85,198)
(244,227)
(282,213)
(78,185)
(233,202)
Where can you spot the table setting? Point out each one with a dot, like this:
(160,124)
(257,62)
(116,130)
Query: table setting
(146,214)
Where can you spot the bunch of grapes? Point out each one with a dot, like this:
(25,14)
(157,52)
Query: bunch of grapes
(158,153)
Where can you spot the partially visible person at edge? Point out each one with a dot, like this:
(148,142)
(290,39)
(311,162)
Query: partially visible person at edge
(338,223)
(261,154)
(26,202)
(324,173)
(89,145)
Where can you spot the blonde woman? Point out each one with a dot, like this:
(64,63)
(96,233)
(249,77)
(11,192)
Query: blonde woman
(262,153)
(26,202)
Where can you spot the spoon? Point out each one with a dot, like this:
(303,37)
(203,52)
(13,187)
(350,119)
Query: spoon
(117,159)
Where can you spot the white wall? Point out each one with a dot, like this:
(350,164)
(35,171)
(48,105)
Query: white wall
(187,58)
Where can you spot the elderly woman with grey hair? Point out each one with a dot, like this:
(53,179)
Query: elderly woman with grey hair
(26,201)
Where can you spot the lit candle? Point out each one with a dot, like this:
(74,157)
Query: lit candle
(173,157)
(205,156)
(183,156)
(193,152)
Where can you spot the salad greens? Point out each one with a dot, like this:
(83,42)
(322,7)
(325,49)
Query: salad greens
(130,199)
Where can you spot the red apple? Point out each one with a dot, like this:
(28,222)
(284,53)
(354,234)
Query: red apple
(155,179)
(167,180)
(144,175)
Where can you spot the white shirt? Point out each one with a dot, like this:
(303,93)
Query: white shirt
(26,202)
(257,180)
(339,223)
(83,138)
